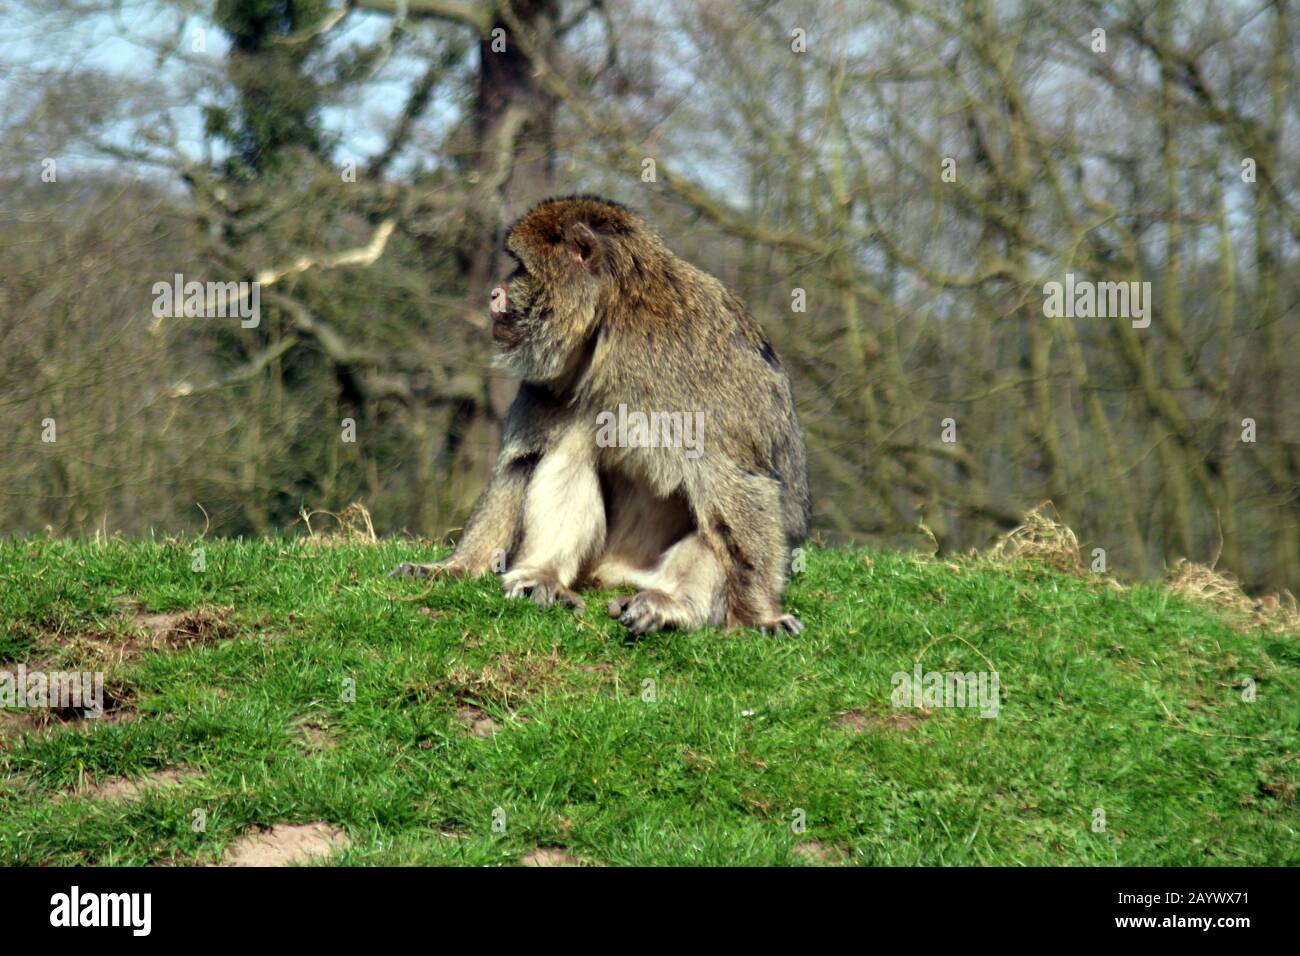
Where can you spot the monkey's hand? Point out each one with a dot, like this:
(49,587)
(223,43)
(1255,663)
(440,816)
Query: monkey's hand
(452,567)
(544,587)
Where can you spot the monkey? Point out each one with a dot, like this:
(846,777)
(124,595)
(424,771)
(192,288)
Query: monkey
(598,317)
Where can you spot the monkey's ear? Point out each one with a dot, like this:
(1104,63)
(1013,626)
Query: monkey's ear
(582,242)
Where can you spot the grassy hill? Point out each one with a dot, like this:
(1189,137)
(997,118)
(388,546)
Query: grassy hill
(291,682)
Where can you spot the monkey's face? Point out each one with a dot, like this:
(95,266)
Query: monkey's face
(547,314)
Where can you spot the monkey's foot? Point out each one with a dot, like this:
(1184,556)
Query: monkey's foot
(786,623)
(447,567)
(543,587)
(648,611)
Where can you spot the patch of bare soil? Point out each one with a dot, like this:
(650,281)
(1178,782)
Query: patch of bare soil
(98,650)
(13,725)
(551,856)
(286,844)
(606,673)
(503,683)
(119,706)
(1279,781)
(124,788)
(821,854)
(178,631)
(860,721)
(315,735)
(477,721)
(507,680)
(139,632)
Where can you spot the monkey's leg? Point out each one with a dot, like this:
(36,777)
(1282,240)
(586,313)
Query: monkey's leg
(641,527)
(491,531)
(685,592)
(744,531)
(564,524)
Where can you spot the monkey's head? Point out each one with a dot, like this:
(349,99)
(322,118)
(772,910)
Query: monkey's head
(567,254)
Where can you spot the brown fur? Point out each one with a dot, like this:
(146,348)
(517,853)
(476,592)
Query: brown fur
(601,313)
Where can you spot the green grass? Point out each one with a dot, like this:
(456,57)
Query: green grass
(1129,701)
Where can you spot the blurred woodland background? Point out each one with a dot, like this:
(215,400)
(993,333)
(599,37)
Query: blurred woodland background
(361,158)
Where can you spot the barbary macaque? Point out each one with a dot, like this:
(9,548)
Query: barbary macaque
(603,323)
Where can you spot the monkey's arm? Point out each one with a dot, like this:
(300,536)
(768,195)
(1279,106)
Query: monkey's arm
(496,523)
(492,529)
(563,522)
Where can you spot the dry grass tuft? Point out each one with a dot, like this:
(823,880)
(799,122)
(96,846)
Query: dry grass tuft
(506,681)
(352,525)
(1205,585)
(1042,537)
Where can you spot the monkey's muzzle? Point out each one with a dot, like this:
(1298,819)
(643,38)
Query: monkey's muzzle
(503,322)
(503,328)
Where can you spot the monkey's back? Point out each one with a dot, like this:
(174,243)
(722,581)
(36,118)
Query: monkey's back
(679,340)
